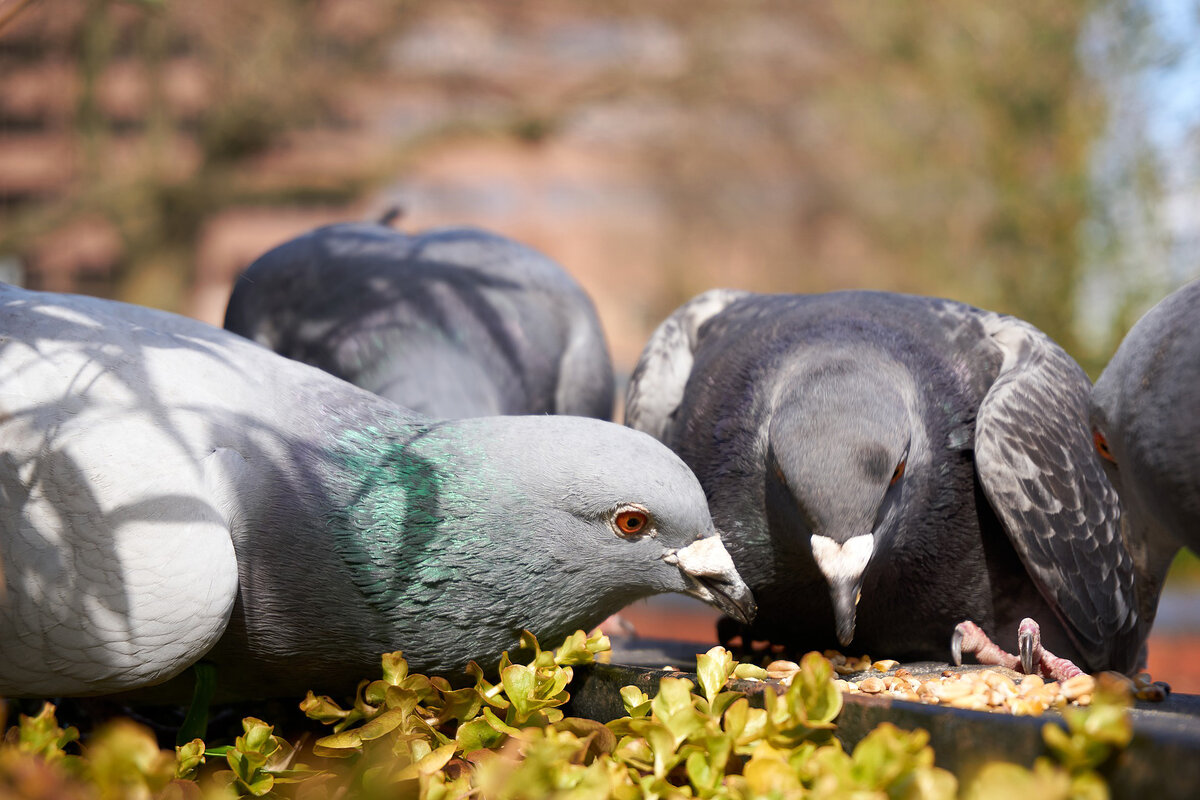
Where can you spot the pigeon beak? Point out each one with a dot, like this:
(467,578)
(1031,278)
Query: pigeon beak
(711,577)
(843,565)
(845,596)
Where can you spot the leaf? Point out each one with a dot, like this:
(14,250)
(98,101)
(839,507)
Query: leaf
(636,752)
(428,764)
(734,720)
(261,784)
(579,648)
(768,773)
(722,703)
(636,703)
(188,758)
(397,698)
(460,705)
(1000,781)
(123,757)
(323,709)
(338,745)
(662,743)
(491,694)
(42,736)
(395,667)
(674,710)
(746,670)
(382,725)
(812,687)
(478,734)
(498,724)
(701,775)
(573,648)
(519,683)
(257,737)
(713,670)
(596,738)
(888,757)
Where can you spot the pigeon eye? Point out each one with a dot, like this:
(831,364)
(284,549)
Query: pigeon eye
(631,522)
(1101,442)
(898,472)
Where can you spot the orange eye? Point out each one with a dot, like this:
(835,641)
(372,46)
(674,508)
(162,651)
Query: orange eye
(632,521)
(1101,443)
(898,472)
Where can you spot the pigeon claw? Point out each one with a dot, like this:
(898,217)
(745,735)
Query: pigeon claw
(1040,660)
(970,638)
(1034,659)
(1029,645)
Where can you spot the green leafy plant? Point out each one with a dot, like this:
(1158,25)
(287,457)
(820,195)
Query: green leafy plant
(1091,737)
(412,736)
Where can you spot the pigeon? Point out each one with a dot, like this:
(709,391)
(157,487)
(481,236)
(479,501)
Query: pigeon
(173,492)
(909,475)
(453,322)
(1145,429)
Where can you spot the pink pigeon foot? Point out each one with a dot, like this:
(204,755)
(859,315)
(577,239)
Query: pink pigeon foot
(970,638)
(1035,657)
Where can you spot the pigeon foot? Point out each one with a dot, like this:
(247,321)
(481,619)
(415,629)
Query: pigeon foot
(1033,659)
(970,638)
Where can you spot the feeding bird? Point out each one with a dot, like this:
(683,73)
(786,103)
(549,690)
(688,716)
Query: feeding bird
(1146,430)
(910,475)
(173,492)
(453,322)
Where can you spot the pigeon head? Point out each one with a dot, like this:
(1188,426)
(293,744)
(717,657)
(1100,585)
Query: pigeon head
(843,441)
(635,509)
(628,516)
(1144,444)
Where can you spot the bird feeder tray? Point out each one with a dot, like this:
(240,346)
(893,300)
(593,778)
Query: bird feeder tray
(1162,760)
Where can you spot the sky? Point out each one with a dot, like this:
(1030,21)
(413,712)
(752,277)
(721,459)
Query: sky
(1140,247)
(1173,89)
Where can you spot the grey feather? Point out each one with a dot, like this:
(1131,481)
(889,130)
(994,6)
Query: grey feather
(1143,410)
(453,322)
(172,491)
(658,380)
(933,456)
(1034,456)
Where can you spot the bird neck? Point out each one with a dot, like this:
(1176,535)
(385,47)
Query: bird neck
(407,503)
(1152,553)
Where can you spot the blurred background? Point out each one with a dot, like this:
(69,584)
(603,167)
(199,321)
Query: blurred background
(1039,157)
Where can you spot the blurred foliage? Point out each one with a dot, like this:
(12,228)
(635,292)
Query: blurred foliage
(926,146)
(268,69)
(944,147)
(1185,569)
(410,736)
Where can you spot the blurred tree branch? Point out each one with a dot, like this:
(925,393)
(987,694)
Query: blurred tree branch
(931,146)
(10,8)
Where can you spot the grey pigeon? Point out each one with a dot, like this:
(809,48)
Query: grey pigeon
(453,322)
(884,467)
(172,492)
(1146,428)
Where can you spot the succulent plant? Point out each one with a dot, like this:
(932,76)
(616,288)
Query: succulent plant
(408,735)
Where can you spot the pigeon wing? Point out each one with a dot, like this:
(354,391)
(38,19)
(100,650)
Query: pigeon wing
(661,375)
(1038,468)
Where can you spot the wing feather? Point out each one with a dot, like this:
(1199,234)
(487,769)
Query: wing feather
(661,375)
(1038,468)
